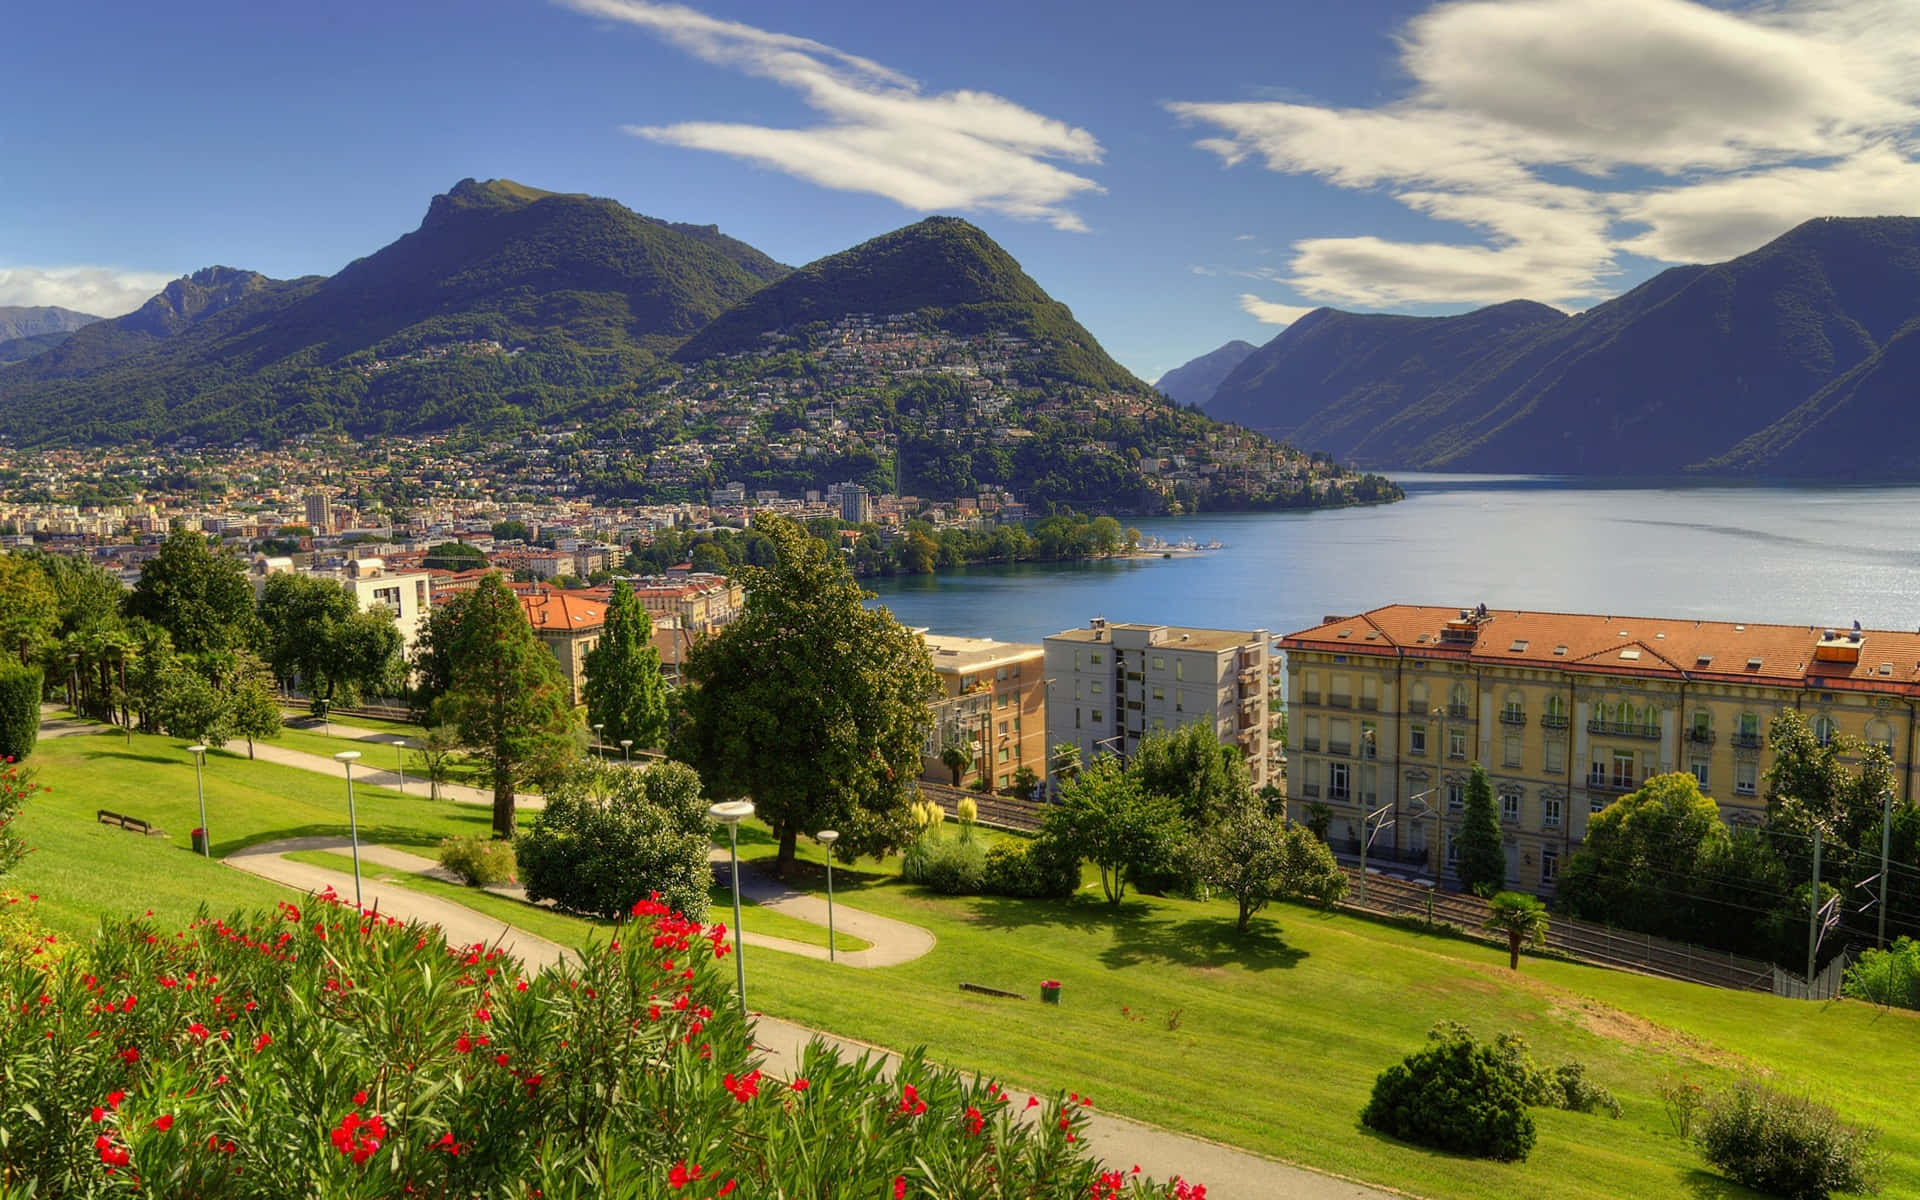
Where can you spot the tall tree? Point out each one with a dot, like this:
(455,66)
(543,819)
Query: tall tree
(506,697)
(1483,857)
(1639,852)
(1193,769)
(624,688)
(431,663)
(315,629)
(1105,817)
(196,594)
(810,702)
(29,608)
(253,701)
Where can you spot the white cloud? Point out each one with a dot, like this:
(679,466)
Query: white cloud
(100,291)
(881,134)
(1268,313)
(1563,133)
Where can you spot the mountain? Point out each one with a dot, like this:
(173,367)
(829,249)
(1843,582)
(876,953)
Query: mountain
(1764,364)
(1194,381)
(943,273)
(21,322)
(507,303)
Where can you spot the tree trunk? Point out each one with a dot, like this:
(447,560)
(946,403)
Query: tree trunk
(1246,914)
(249,747)
(502,803)
(789,844)
(1513,950)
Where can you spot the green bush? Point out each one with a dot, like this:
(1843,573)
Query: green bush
(1453,1094)
(1565,1086)
(1786,1145)
(1890,977)
(953,868)
(19,710)
(1575,1092)
(1035,870)
(608,839)
(481,861)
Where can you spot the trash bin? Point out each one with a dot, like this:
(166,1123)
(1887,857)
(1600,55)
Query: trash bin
(1050,991)
(199,841)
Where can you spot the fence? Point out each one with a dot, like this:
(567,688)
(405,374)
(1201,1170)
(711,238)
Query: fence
(996,812)
(1578,939)
(1824,986)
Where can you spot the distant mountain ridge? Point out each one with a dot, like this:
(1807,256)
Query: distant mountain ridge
(1195,381)
(20,321)
(1788,361)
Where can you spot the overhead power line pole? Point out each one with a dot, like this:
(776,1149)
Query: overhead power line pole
(1813,909)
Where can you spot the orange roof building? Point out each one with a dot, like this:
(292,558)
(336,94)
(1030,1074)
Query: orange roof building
(1388,709)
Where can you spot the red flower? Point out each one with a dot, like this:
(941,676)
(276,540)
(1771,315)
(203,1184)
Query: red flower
(799,1085)
(360,1097)
(99,1114)
(682,1174)
(359,1138)
(910,1102)
(448,1144)
(163,1122)
(198,1031)
(130,1055)
(974,1121)
(744,1088)
(114,1098)
(262,1042)
(899,1187)
(725,1189)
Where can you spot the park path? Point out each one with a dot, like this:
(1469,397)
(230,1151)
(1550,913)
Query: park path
(1228,1173)
(891,942)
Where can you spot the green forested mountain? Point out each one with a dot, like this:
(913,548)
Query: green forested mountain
(506,305)
(948,275)
(1771,363)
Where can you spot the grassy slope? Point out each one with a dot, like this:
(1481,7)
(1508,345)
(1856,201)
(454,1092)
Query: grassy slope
(1278,1037)
(1280,1034)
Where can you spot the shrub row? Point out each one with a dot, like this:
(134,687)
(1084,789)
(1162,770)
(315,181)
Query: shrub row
(1028,869)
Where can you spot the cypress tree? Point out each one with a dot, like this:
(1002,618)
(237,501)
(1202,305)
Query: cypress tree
(624,690)
(1483,860)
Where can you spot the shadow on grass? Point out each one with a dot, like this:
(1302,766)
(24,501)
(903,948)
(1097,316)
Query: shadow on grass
(384,835)
(1705,1185)
(1144,935)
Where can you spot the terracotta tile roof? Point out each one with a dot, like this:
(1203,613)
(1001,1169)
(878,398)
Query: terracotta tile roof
(554,610)
(1706,651)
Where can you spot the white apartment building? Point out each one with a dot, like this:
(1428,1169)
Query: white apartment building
(1110,686)
(406,594)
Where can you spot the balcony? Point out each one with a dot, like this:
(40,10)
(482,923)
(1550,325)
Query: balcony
(1553,721)
(1457,711)
(1338,701)
(1369,704)
(1310,743)
(1249,677)
(1310,698)
(1342,749)
(1339,795)
(1649,733)
(1309,791)
(1512,716)
(1603,782)
(1701,737)
(1747,741)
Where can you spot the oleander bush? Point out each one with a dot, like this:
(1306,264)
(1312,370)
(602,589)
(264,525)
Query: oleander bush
(1786,1145)
(323,1051)
(480,861)
(1453,1094)
(953,867)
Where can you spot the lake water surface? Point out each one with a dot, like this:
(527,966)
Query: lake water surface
(1813,556)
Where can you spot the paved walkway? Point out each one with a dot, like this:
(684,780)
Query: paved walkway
(891,942)
(1228,1173)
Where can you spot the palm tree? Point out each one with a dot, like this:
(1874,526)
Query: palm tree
(1521,917)
(957,759)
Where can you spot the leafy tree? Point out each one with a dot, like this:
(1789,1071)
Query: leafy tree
(1106,535)
(200,597)
(1104,816)
(1521,917)
(1065,761)
(431,663)
(437,746)
(1191,767)
(1483,860)
(957,758)
(506,698)
(1025,782)
(29,609)
(598,855)
(811,703)
(191,707)
(314,629)
(1810,786)
(19,710)
(1637,849)
(512,531)
(453,556)
(1256,858)
(624,688)
(253,701)
(153,658)
(1320,819)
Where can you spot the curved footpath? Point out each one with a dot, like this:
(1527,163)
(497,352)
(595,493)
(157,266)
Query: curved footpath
(1227,1172)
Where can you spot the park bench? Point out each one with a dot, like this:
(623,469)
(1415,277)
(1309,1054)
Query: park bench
(125,822)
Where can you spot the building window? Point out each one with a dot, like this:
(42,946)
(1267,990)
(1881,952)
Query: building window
(1549,864)
(1556,756)
(1076,717)
(1004,697)
(1016,724)
(1456,743)
(1310,733)
(1456,797)
(1510,750)
(1095,657)
(1880,734)
(1337,781)
(1509,806)
(1623,770)
(1098,688)
(1745,778)
(1457,701)
(1824,729)
(1159,663)
(1557,707)
(1076,660)
(1453,850)
(1179,668)
(1369,740)
(1003,754)
(1550,812)
(1159,723)
(1700,770)
(1596,803)
(1417,740)
(1179,700)
(1099,717)
(1002,729)
(1006,781)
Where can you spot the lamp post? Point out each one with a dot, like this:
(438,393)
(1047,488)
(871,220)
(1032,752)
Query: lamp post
(599,742)
(731,813)
(73,682)
(347,758)
(400,755)
(827,837)
(1886,844)
(626,750)
(199,753)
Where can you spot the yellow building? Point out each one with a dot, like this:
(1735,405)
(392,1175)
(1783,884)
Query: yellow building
(1389,709)
(992,700)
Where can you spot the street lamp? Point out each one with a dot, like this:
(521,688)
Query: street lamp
(626,750)
(827,837)
(400,753)
(199,753)
(599,742)
(731,813)
(347,758)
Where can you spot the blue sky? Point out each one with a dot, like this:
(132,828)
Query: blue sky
(1178,177)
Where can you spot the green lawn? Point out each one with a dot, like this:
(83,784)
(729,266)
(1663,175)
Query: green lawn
(570,930)
(1269,1041)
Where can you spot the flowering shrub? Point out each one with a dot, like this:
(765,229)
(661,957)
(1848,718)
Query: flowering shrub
(16,784)
(318,1050)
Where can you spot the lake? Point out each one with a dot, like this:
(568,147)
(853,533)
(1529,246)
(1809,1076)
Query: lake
(1813,556)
